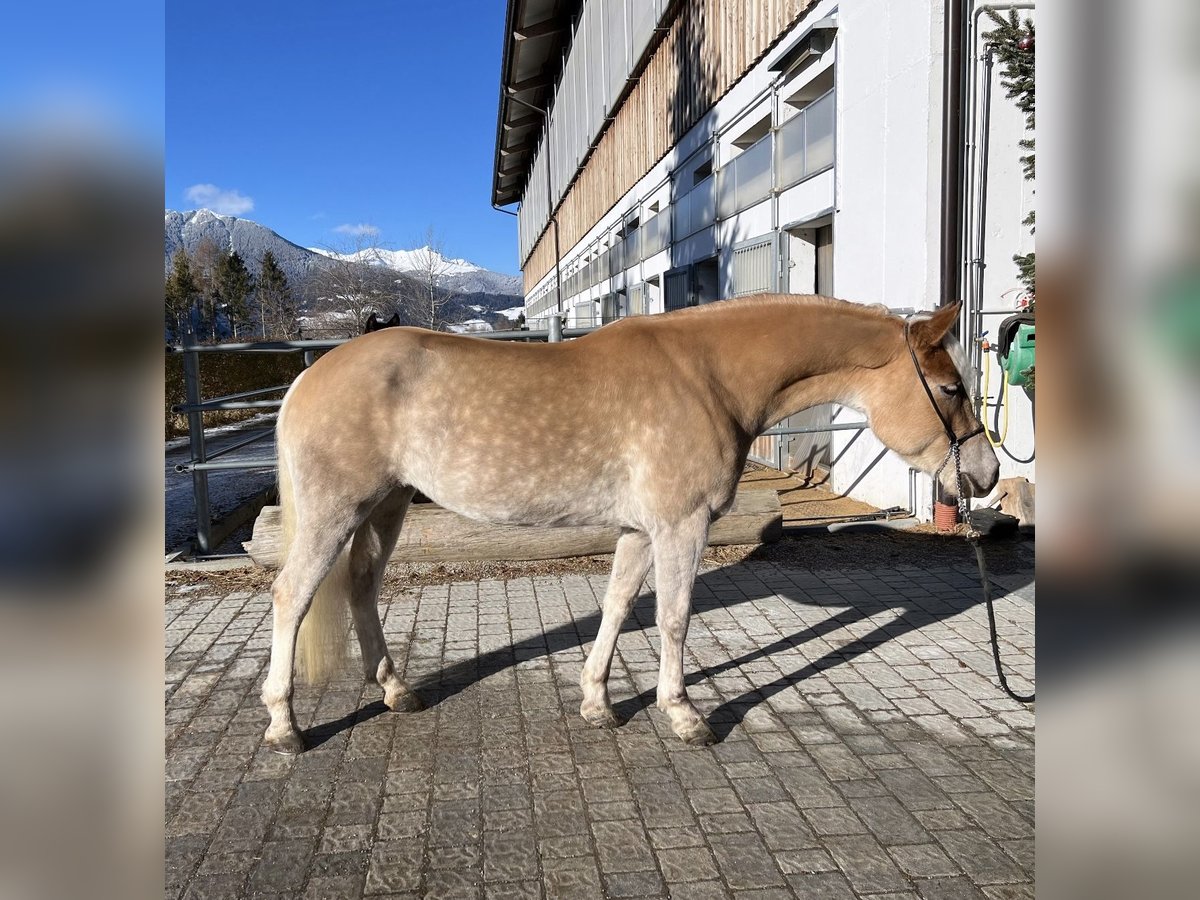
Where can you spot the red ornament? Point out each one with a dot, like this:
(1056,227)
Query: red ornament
(1025,43)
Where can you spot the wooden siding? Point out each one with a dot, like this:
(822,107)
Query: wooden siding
(711,44)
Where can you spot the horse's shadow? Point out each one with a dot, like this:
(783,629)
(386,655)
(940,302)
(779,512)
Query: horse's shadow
(910,615)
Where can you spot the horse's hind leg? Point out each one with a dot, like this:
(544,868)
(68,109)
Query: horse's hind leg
(372,545)
(677,552)
(312,555)
(630,564)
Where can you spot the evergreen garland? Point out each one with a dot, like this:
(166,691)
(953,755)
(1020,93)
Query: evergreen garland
(1012,41)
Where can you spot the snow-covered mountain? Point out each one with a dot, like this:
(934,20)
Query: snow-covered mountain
(420,260)
(251,240)
(185,230)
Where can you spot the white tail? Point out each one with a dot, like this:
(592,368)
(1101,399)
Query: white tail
(321,643)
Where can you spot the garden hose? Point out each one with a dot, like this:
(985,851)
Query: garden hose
(1002,400)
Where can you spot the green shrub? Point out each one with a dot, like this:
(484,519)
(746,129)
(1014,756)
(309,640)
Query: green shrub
(227,373)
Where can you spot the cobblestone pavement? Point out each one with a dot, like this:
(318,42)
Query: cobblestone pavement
(865,750)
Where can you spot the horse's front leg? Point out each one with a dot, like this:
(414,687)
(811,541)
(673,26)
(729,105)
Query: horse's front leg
(631,561)
(677,552)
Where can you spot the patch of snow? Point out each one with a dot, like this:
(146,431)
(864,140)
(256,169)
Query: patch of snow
(470,326)
(511,313)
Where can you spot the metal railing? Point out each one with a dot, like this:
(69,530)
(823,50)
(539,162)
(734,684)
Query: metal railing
(203,460)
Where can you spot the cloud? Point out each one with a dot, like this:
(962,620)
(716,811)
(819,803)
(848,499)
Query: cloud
(219,200)
(359,230)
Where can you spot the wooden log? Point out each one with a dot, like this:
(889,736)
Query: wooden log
(431,534)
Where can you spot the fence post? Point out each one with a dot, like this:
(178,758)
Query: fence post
(555,329)
(191,381)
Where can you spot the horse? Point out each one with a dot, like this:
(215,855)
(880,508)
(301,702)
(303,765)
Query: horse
(375,324)
(644,424)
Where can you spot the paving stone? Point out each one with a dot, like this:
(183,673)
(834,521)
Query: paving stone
(891,771)
(923,861)
(889,820)
(948,889)
(698,890)
(395,866)
(822,886)
(782,826)
(744,861)
(687,864)
(509,856)
(865,864)
(282,866)
(979,857)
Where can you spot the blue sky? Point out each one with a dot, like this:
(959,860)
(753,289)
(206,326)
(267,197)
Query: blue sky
(318,119)
(86,67)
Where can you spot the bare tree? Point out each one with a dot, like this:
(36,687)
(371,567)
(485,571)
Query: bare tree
(354,281)
(205,260)
(429,294)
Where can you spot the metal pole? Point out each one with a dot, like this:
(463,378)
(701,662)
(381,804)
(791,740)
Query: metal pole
(817,429)
(549,194)
(191,380)
(556,329)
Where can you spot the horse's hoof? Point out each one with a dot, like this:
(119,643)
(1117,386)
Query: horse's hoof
(599,717)
(288,744)
(404,702)
(697,734)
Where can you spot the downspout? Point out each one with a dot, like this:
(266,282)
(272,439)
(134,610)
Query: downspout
(549,196)
(952,129)
(952,162)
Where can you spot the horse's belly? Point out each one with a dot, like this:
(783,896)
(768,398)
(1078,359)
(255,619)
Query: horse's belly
(507,492)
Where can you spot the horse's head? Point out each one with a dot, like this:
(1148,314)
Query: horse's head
(914,421)
(374,324)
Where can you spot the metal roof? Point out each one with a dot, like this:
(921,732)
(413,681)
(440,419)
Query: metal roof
(536,36)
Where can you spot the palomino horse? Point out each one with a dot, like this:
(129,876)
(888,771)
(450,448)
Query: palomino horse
(644,425)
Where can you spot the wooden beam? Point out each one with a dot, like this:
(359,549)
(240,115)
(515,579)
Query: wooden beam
(529,84)
(523,122)
(541,29)
(431,533)
(523,147)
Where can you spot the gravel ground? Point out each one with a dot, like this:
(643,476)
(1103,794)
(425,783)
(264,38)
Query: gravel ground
(816,551)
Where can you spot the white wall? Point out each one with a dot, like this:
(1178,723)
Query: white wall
(886,195)
(1009,199)
(886,222)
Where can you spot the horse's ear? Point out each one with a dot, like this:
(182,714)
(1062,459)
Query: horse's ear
(372,323)
(394,321)
(929,332)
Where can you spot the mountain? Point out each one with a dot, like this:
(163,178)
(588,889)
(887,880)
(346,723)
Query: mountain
(187,229)
(458,275)
(475,285)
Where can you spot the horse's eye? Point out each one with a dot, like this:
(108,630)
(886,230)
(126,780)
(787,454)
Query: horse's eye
(950,390)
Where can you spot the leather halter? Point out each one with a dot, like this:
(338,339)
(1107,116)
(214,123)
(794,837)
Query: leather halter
(955,440)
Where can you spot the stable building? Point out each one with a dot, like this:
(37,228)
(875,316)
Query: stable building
(668,153)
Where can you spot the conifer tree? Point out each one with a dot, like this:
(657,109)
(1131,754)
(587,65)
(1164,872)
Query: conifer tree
(275,301)
(1012,41)
(234,284)
(182,292)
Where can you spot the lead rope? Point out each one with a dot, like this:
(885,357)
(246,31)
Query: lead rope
(964,513)
(973,536)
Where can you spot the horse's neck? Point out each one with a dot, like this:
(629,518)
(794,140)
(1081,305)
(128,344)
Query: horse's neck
(778,360)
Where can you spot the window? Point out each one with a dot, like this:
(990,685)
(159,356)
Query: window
(754,133)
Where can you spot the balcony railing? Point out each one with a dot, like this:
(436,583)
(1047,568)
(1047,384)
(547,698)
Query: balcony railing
(805,143)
